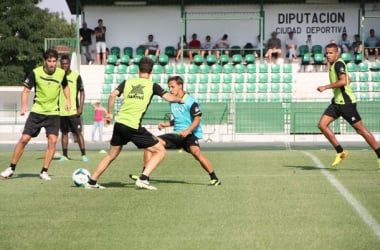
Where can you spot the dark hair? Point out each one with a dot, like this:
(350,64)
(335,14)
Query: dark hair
(177,79)
(146,65)
(65,57)
(100,20)
(51,53)
(332,46)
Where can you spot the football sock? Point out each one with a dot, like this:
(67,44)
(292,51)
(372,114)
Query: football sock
(339,149)
(83,151)
(12,166)
(44,170)
(213,175)
(143,177)
(64,150)
(377,151)
(92,182)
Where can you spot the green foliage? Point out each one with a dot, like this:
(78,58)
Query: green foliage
(23,28)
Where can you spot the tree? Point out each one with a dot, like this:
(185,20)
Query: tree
(23,28)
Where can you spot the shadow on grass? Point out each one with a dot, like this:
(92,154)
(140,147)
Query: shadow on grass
(26,175)
(308,168)
(176,182)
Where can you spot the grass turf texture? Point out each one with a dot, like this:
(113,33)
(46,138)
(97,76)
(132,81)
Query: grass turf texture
(271,199)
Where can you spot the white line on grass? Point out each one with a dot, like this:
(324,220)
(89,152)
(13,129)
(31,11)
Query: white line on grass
(359,208)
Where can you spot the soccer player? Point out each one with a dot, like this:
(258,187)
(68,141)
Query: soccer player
(187,124)
(48,81)
(137,93)
(71,120)
(343,104)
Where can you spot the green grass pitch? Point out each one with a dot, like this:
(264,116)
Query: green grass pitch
(269,199)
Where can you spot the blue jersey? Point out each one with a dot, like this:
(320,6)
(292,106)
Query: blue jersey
(184,115)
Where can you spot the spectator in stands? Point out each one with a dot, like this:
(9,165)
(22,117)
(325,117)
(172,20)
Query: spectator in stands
(48,81)
(343,104)
(258,46)
(194,47)
(179,50)
(222,46)
(273,47)
(356,45)
(86,41)
(151,47)
(291,46)
(371,45)
(71,120)
(100,38)
(187,123)
(207,46)
(344,44)
(99,113)
(127,128)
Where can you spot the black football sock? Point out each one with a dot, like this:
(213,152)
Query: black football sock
(44,170)
(12,166)
(339,149)
(83,151)
(213,175)
(64,150)
(377,151)
(143,177)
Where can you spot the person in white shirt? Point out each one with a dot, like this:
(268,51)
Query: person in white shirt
(291,46)
(151,47)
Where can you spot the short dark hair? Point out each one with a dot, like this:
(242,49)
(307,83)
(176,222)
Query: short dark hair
(65,57)
(333,46)
(177,79)
(100,20)
(146,65)
(51,53)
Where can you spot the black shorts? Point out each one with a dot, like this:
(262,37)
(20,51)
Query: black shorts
(35,122)
(176,141)
(347,111)
(71,123)
(141,137)
(371,51)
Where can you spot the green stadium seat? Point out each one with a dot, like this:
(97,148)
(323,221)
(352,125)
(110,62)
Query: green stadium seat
(191,87)
(363,77)
(262,88)
(251,68)
(228,68)
(163,59)
(346,57)
(303,49)
(156,78)
(152,57)
(239,78)
(237,59)
(214,88)
(109,69)
(239,68)
(133,69)
(364,97)
(140,50)
(227,78)
(239,97)
(275,97)
(351,67)
(376,96)
(251,78)
(204,69)
(125,59)
(263,78)
(263,68)
(202,87)
(226,97)
(250,59)
(275,78)
(216,69)
(306,59)
(108,78)
(198,60)
(364,86)
(262,97)
(275,68)
(192,69)
(363,67)
(287,78)
(224,59)
(122,69)
(137,59)
(107,88)
(180,69)
(202,97)
(203,78)
(275,88)
(120,78)
(170,51)
(215,78)
(235,50)
(169,69)
(358,58)
(250,87)
(115,51)
(191,78)
(226,88)
(157,69)
(128,51)
(250,97)
(316,49)
(287,68)
(319,59)
(239,87)
(211,59)
(375,76)
(287,88)
(353,77)
(213,97)
(354,86)
(287,98)
(111,59)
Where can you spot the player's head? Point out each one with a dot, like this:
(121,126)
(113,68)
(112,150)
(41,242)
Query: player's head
(146,65)
(332,52)
(175,84)
(65,62)
(50,57)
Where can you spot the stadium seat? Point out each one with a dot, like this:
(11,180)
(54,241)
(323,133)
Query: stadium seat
(239,78)
(287,78)
(211,59)
(364,86)
(203,87)
(109,69)
(263,68)
(306,60)
(352,76)
(235,50)
(251,68)
(287,98)
(163,59)
(137,59)
(239,68)
(120,78)
(303,49)
(249,58)
(363,67)
(316,49)
(287,88)
(251,78)
(204,69)
(275,88)
(170,51)
(191,78)
(358,58)
(216,68)
(275,78)
(226,87)
(140,50)
(153,57)
(262,87)
(351,67)
(213,97)
(214,87)
(375,76)
(106,88)
(287,68)
(156,78)
(275,68)
(226,97)
(191,87)
(354,86)
(319,61)
(133,69)
(262,97)
(192,69)
(169,69)
(228,68)
(111,59)
(376,96)
(237,59)
(215,78)
(115,51)
(125,60)
(122,69)
(239,97)
(224,59)
(364,97)
(363,77)
(180,69)
(203,78)
(227,78)
(128,51)
(251,87)
(263,78)
(239,87)
(346,57)
(198,60)
(275,97)
(108,78)
(157,69)
(250,97)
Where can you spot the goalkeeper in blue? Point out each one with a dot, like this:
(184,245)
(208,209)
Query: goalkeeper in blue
(187,124)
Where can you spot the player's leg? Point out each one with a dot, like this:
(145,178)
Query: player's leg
(76,128)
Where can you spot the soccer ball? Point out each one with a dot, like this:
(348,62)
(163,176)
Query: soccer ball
(81,176)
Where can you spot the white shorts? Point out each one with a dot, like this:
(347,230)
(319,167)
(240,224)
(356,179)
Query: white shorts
(100,47)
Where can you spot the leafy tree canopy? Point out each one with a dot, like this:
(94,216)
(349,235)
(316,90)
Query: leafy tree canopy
(23,28)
